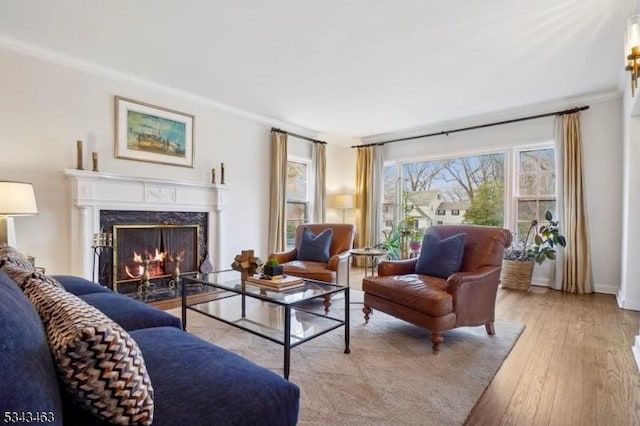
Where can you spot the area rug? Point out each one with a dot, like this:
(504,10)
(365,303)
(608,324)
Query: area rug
(391,375)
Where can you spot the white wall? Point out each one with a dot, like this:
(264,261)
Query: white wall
(602,143)
(629,294)
(45,108)
(340,179)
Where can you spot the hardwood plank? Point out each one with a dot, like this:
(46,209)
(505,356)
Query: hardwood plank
(571,366)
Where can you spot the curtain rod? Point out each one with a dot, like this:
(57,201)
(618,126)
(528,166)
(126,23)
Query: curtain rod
(479,126)
(273,129)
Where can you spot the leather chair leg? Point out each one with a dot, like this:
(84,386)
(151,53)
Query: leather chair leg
(436,339)
(490,330)
(367,312)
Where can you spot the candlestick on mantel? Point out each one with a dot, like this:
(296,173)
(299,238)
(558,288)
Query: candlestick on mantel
(94,156)
(79,155)
(213,175)
(222,173)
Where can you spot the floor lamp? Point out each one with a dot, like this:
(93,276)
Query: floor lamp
(16,199)
(343,202)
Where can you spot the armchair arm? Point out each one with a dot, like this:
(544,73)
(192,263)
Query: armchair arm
(285,256)
(397,267)
(474,294)
(336,259)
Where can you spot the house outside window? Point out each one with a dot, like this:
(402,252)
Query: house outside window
(297,196)
(441,212)
(455,212)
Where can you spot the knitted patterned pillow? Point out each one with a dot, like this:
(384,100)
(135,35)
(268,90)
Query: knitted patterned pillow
(21,275)
(99,363)
(10,255)
(17,273)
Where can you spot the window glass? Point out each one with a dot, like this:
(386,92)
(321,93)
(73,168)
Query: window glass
(297,206)
(536,192)
(471,188)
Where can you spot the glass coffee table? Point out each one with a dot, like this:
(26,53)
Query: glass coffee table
(288,318)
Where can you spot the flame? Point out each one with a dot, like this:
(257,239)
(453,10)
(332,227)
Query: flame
(159,256)
(137,258)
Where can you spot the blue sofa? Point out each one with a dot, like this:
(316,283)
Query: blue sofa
(194,382)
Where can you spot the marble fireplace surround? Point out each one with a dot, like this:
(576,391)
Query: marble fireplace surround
(92,192)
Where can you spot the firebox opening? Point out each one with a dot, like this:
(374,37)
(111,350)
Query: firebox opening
(153,252)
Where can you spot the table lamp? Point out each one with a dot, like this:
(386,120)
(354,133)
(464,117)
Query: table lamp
(16,199)
(343,202)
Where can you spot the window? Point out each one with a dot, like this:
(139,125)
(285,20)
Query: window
(536,187)
(297,194)
(473,184)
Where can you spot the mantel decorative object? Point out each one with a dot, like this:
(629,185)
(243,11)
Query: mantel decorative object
(222,173)
(213,175)
(94,157)
(79,165)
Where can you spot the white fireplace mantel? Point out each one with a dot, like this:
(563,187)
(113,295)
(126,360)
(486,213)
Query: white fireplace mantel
(92,192)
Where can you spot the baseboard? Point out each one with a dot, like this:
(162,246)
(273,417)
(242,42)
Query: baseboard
(597,288)
(606,289)
(632,305)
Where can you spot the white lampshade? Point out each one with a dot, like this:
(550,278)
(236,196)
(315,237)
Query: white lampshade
(343,201)
(16,199)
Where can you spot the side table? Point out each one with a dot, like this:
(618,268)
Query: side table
(370,255)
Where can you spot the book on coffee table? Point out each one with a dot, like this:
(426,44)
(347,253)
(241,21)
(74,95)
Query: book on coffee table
(279,283)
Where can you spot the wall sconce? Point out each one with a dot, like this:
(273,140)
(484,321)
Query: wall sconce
(16,199)
(343,202)
(632,50)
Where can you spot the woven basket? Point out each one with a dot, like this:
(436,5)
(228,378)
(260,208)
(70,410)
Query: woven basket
(516,274)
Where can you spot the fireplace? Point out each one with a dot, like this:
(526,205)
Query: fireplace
(102,200)
(152,243)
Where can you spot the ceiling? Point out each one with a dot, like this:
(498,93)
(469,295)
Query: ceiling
(347,69)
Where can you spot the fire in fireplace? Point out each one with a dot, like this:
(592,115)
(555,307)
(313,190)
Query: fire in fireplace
(146,255)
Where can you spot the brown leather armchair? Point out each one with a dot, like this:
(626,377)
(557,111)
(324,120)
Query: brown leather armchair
(334,271)
(466,298)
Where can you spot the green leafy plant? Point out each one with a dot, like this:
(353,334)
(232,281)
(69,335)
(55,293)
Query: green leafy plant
(391,243)
(539,244)
(272,262)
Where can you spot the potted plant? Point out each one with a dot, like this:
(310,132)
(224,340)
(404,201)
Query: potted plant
(538,245)
(391,243)
(272,268)
(415,240)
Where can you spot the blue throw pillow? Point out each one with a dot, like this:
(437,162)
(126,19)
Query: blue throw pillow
(440,258)
(315,247)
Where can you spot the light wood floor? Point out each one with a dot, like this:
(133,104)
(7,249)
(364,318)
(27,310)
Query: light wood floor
(572,365)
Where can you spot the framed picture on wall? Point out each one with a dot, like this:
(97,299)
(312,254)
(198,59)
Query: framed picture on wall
(153,134)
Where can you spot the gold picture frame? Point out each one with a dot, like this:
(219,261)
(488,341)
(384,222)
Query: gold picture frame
(153,134)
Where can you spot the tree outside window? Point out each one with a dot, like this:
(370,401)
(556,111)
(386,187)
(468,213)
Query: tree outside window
(470,187)
(536,191)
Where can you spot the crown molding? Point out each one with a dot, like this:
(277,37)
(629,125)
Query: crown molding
(72,62)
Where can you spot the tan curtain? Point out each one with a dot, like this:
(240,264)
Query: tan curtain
(277,201)
(574,264)
(319,158)
(364,171)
